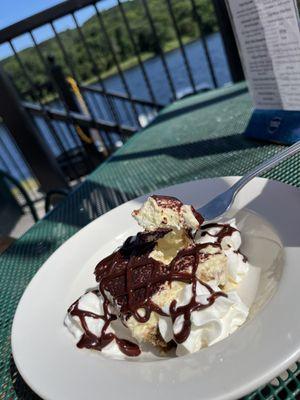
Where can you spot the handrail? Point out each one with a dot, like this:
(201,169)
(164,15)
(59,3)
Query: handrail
(42,18)
(80,119)
(121,96)
(99,90)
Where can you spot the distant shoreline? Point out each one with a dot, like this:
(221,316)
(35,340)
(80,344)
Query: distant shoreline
(132,61)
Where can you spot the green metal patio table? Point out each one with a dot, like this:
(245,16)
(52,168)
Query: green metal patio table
(196,137)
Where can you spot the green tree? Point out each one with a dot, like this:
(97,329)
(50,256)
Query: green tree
(118,34)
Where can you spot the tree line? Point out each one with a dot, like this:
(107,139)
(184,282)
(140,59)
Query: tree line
(102,56)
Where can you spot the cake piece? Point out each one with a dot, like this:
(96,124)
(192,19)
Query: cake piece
(170,285)
(167,212)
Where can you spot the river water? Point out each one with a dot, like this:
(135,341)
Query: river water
(10,158)
(196,56)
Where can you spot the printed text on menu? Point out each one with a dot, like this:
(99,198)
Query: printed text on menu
(269,40)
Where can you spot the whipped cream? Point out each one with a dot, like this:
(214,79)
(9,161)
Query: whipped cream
(236,263)
(90,302)
(209,325)
(174,284)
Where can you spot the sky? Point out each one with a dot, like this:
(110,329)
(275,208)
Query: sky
(15,10)
(12,11)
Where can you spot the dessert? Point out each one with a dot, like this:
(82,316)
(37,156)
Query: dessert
(173,285)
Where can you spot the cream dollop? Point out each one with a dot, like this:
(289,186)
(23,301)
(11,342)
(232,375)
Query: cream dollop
(230,244)
(209,325)
(92,303)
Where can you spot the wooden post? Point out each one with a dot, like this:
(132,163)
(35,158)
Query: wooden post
(28,138)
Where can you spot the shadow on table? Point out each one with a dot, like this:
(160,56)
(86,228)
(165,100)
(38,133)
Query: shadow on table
(289,231)
(84,205)
(87,203)
(30,248)
(9,217)
(195,106)
(22,390)
(206,147)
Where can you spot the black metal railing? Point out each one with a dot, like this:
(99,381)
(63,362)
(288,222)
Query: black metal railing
(13,164)
(81,122)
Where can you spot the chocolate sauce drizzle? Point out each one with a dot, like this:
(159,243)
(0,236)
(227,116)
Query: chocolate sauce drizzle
(90,341)
(194,258)
(131,277)
(225,230)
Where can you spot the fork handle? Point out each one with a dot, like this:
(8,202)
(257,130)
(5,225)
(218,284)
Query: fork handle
(265,166)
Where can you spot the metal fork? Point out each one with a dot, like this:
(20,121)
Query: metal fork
(222,203)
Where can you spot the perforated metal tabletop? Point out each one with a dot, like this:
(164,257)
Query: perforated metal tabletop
(197,137)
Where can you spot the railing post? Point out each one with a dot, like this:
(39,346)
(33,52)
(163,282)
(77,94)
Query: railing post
(230,45)
(72,104)
(27,137)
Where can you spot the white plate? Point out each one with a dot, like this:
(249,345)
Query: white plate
(269,342)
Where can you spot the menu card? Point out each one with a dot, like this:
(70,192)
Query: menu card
(268,36)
